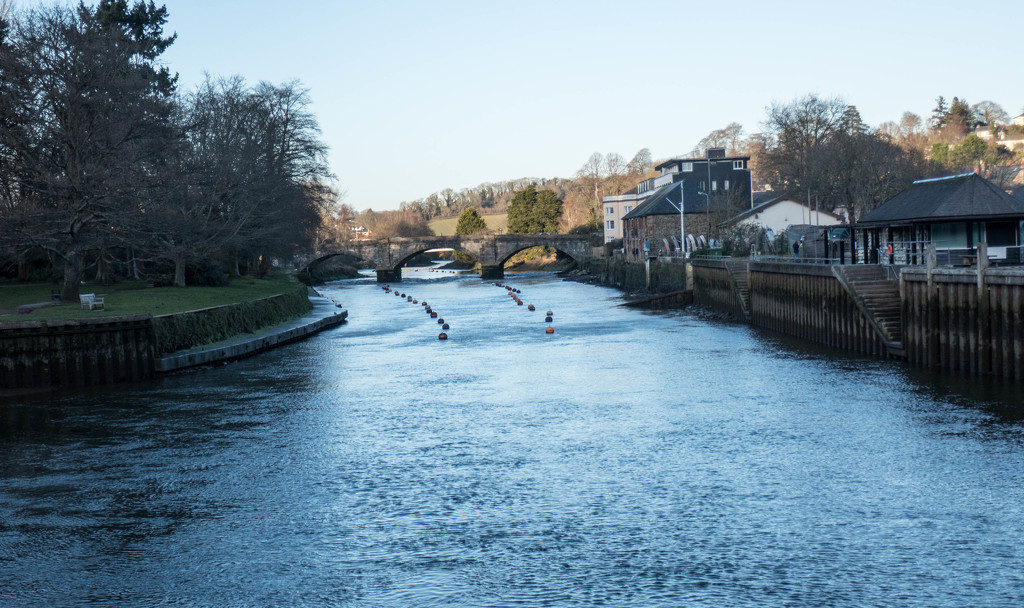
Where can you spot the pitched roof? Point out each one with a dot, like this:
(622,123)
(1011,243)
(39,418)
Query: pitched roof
(966,196)
(665,201)
(771,203)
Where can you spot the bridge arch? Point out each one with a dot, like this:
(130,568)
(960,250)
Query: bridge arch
(491,251)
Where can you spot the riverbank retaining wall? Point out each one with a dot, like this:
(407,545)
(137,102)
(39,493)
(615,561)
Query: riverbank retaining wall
(75,353)
(962,320)
(807,301)
(715,289)
(667,275)
(802,300)
(965,321)
(182,331)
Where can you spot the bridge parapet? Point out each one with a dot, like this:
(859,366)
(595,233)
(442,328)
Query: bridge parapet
(491,250)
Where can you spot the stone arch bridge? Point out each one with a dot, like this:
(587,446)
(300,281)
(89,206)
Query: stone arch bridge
(491,250)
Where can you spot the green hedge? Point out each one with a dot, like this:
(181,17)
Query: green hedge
(187,330)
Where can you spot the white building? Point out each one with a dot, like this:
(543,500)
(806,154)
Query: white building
(779,213)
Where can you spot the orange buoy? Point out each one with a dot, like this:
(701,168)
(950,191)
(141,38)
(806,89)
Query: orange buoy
(549,330)
(442,336)
(519,302)
(549,313)
(433,315)
(530,307)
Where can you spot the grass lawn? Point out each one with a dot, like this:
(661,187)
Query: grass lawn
(133,297)
(497,223)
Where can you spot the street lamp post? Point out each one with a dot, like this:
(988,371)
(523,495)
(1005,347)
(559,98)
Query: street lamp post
(682,219)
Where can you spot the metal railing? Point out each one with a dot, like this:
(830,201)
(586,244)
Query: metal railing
(903,254)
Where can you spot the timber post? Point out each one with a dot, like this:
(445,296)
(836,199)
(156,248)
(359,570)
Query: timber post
(931,332)
(984,318)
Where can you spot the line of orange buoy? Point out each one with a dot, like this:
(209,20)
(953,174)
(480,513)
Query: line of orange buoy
(514,294)
(426,307)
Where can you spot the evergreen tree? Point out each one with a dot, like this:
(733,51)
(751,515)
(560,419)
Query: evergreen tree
(939,114)
(87,126)
(519,210)
(532,212)
(470,222)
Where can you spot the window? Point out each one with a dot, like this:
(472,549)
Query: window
(628,208)
(609,210)
(737,164)
(687,167)
(610,224)
(726,185)
(714,185)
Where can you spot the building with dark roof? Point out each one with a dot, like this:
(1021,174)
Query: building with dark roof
(720,175)
(658,224)
(955,213)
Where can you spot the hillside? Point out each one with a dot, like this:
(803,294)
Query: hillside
(498,223)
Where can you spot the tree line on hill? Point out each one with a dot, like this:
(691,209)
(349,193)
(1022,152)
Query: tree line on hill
(108,171)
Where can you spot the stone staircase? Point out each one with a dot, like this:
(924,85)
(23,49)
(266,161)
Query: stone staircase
(877,295)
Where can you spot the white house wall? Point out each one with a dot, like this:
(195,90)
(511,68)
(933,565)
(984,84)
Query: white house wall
(785,213)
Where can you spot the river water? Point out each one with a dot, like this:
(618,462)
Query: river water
(628,459)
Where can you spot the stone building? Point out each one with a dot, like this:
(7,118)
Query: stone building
(723,177)
(656,222)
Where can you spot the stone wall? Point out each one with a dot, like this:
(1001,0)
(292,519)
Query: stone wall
(667,275)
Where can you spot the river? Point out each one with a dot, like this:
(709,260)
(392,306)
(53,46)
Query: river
(628,459)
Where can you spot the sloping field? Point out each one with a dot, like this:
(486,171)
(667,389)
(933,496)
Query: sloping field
(498,223)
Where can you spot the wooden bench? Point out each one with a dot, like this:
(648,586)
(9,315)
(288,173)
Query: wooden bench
(91,301)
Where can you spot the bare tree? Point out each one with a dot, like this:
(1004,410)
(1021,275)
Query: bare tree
(730,137)
(640,163)
(798,132)
(990,113)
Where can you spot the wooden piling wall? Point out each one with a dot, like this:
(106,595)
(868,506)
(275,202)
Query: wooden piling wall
(801,300)
(807,301)
(714,289)
(957,322)
(75,353)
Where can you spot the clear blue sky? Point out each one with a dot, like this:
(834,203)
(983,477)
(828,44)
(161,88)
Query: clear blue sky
(413,97)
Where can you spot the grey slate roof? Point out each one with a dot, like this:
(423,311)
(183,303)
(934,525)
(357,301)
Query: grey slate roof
(665,201)
(958,197)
